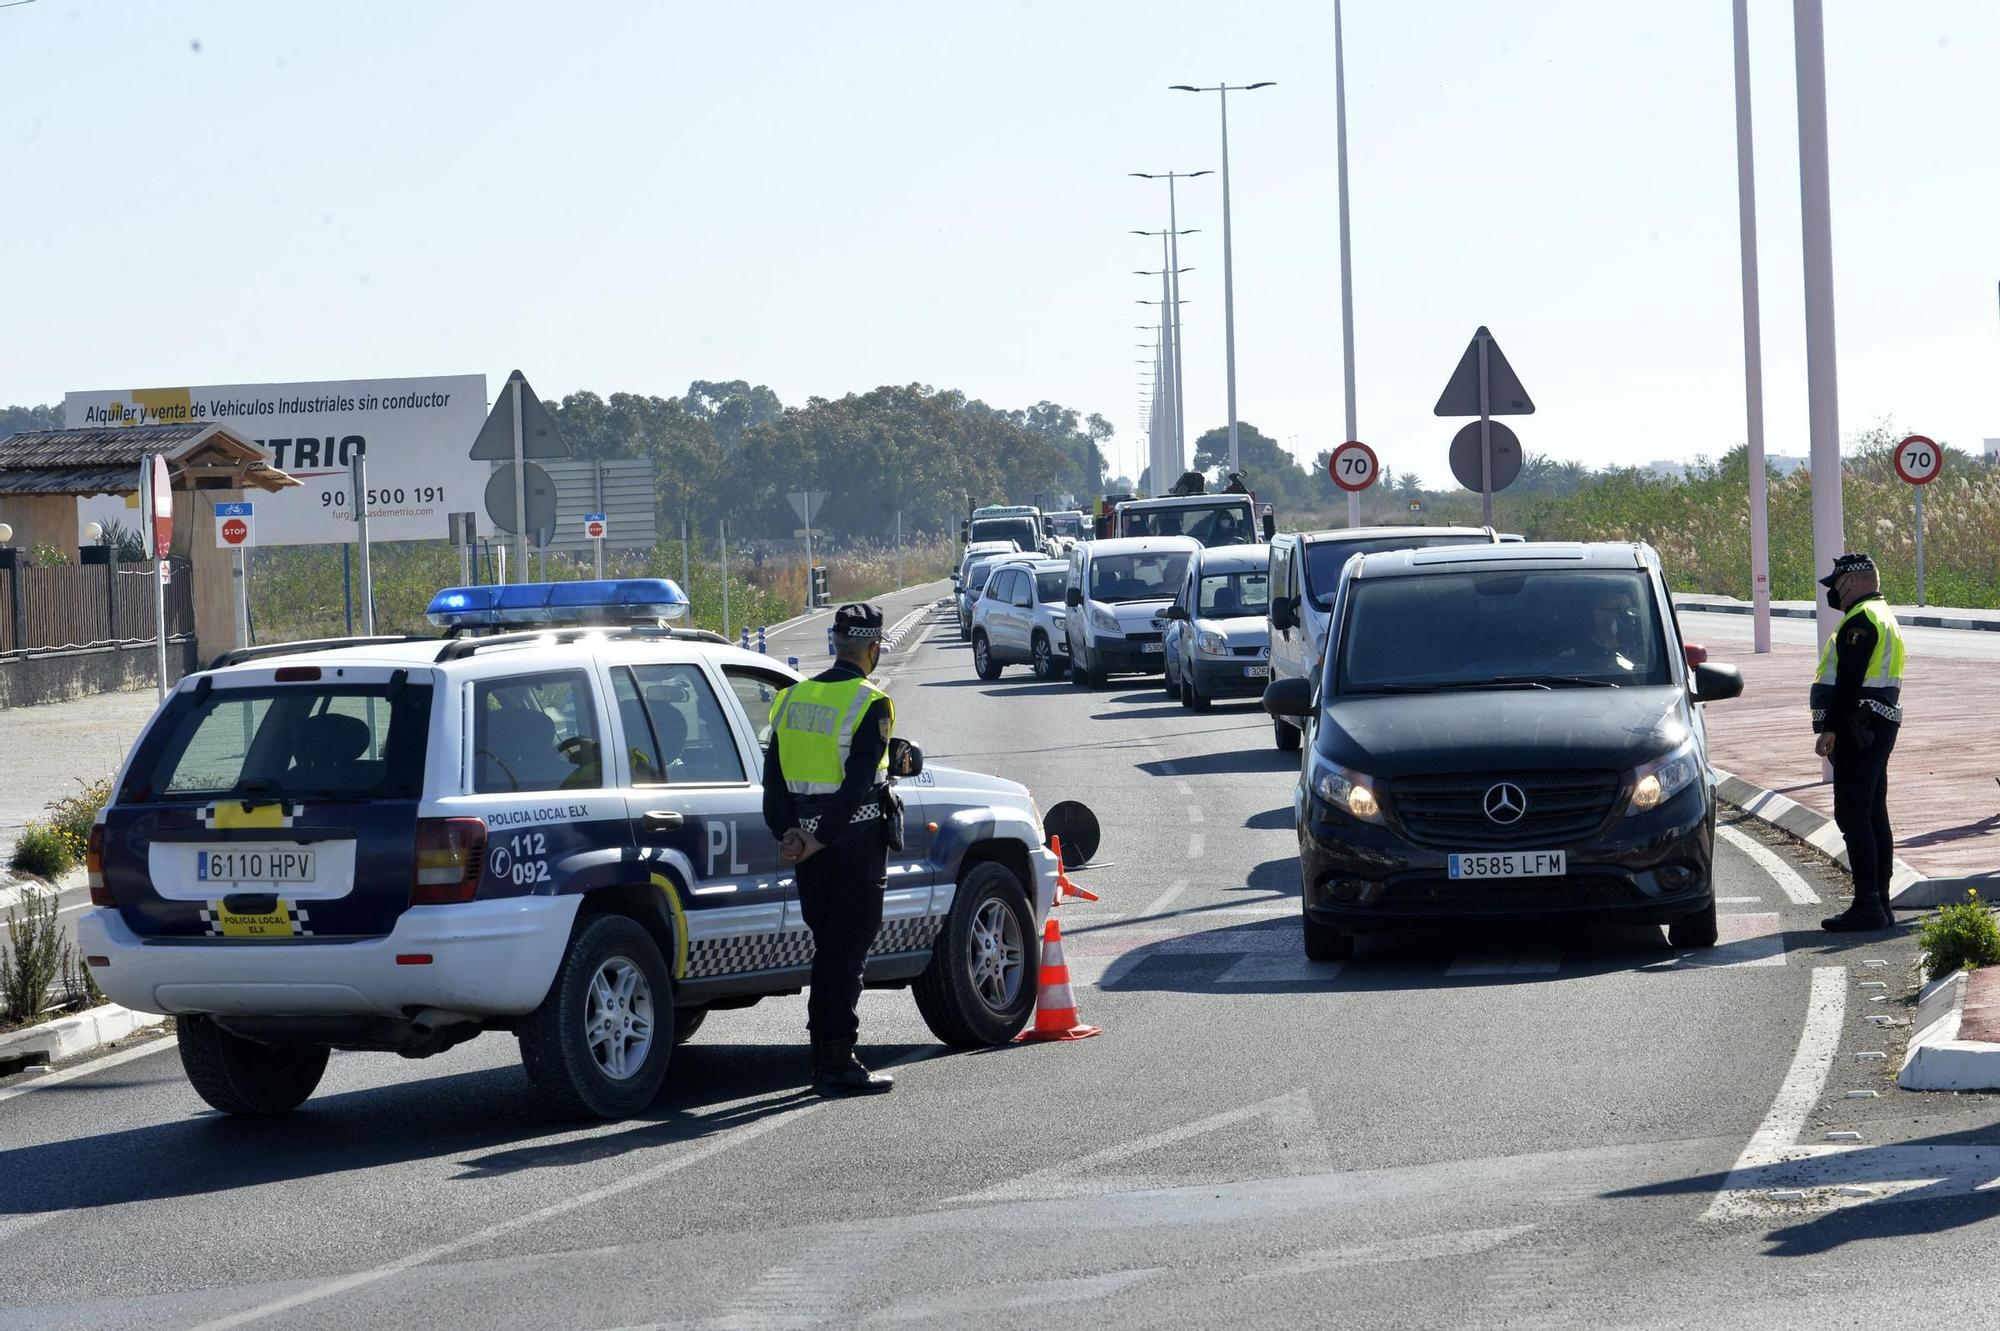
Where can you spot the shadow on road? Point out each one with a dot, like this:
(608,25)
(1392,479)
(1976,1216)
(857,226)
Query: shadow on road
(1280,819)
(490,1120)
(1261,759)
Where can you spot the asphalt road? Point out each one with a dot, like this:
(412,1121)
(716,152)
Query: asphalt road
(1714,626)
(1474,1129)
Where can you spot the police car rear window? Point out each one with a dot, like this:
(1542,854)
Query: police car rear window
(307,741)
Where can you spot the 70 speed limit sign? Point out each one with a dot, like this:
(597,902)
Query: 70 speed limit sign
(1353,466)
(1919,460)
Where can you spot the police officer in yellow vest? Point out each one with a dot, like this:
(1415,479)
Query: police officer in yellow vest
(1857,710)
(828,801)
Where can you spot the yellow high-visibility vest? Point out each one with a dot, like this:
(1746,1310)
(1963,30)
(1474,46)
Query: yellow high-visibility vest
(1885,664)
(813,724)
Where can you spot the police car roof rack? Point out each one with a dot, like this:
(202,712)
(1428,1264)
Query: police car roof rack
(237,656)
(460,648)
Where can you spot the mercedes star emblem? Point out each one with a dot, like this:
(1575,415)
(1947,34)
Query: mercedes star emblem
(1505,803)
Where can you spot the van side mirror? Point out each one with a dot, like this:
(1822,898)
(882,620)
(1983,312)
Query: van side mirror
(1270,526)
(1283,616)
(905,758)
(1289,697)
(1714,682)
(1072,597)
(1174,611)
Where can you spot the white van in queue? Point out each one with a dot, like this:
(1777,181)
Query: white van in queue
(1117,594)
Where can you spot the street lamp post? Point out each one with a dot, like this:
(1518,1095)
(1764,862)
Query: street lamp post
(1753,349)
(1346,256)
(1816,225)
(1228,276)
(1173,266)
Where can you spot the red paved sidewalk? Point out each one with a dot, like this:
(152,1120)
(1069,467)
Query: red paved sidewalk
(1944,800)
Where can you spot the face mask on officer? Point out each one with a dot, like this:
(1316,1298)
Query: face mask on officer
(1833,597)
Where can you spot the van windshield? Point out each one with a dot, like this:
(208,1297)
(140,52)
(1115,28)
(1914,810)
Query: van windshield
(1147,576)
(1225,522)
(1551,628)
(1025,532)
(1325,559)
(332,742)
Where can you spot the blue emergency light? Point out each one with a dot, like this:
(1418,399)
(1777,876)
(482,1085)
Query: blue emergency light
(530,605)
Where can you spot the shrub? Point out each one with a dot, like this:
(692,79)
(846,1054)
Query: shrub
(1959,937)
(73,815)
(35,955)
(43,850)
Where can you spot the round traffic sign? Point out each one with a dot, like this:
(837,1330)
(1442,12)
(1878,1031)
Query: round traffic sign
(234,530)
(163,505)
(1506,455)
(1919,460)
(594,530)
(1353,466)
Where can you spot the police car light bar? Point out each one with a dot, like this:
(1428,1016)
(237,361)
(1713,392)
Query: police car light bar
(527,605)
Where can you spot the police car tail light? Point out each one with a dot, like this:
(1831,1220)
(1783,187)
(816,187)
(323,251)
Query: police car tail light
(93,867)
(532,605)
(450,853)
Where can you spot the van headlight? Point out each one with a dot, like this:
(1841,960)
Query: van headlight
(1214,644)
(1103,620)
(1660,780)
(1351,792)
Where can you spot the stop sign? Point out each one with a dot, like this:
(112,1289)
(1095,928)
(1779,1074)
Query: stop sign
(234,530)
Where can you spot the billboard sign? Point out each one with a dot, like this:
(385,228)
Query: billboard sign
(416,432)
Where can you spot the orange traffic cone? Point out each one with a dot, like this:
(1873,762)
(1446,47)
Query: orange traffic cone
(1055,1007)
(1064,887)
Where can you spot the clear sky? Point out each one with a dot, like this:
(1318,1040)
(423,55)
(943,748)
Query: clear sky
(825,197)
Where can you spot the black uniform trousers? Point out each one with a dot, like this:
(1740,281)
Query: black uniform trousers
(840,895)
(1861,808)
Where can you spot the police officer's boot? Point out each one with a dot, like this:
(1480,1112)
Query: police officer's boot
(839,1072)
(1868,914)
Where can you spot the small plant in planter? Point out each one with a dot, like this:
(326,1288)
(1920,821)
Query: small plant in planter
(1958,937)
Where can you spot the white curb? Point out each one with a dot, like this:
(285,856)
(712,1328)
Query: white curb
(1937,1059)
(66,1037)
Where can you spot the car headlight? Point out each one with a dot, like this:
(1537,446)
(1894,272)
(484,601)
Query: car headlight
(1351,792)
(1214,644)
(1660,780)
(1103,620)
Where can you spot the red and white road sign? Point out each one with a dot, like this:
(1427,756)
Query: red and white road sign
(594,529)
(162,492)
(1353,466)
(234,530)
(1919,460)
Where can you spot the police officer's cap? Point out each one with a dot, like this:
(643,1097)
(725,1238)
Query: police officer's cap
(860,621)
(1855,562)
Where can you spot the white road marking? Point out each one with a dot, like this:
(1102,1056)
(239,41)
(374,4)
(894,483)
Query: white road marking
(702,1150)
(21,1224)
(1738,901)
(1194,845)
(1194,813)
(1184,788)
(1776,1139)
(1486,962)
(1167,767)
(1165,899)
(1788,879)
(1752,939)
(49,1079)
(1421,1247)
(1291,1116)
(1274,968)
(986,1301)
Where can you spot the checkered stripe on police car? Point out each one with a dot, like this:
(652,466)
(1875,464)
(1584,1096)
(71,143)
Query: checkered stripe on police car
(297,916)
(775,951)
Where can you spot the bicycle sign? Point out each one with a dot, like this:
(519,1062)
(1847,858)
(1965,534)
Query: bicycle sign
(1353,466)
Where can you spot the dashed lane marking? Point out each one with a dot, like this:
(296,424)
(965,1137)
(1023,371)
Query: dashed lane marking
(1788,879)
(1195,843)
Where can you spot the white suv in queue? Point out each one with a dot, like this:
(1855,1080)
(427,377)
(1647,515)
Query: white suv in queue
(390,844)
(1019,620)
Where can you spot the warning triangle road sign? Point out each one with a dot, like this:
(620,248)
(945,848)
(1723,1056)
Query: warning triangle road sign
(539,438)
(1504,394)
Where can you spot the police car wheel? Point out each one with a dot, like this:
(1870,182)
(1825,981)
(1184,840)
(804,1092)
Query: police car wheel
(980,986)
(1698,930)
(688,1020)
(239,1076)
(1286,735)
(983,663)
(597,1047)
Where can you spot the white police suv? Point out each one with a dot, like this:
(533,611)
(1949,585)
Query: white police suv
(398,844)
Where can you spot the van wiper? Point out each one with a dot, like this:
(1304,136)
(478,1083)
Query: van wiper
(1550,681)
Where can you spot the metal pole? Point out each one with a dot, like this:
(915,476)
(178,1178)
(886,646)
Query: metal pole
(1919,497)
(1753,345)
(239,575)
(1180,352)
(159,582)
(685,583)
(1228,291)
(520,489)
(347,585)
(722,538)
(899,549)
(1816,227)
(597,546)
(1167,444)
(1346,258)
(1485,438)
(359,475)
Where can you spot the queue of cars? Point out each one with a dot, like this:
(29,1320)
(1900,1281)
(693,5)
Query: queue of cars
(1491,727)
